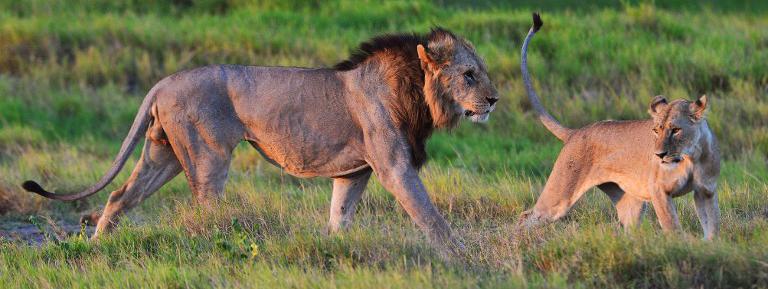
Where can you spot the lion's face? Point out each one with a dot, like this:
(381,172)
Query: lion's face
(455,69)
(466,79)
(676,127)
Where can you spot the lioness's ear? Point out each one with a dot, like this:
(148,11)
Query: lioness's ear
(427,63)
(657,104)
(699,108)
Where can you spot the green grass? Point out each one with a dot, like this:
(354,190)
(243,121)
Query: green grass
(72,74)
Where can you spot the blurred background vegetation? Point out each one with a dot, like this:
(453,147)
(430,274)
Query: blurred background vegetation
(73,72)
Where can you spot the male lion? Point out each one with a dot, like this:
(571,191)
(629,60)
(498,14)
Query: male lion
(632,161)
(371,113)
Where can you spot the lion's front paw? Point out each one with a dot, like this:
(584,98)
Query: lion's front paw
(452,250)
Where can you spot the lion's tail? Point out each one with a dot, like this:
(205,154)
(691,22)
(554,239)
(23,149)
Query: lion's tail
(549,122)
(140,124)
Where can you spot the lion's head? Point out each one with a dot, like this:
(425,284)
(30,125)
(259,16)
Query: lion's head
(456,79)
(677,127)
(434,80)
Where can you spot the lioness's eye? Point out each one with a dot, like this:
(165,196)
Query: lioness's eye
(469,77)
(676,130)
(656,130)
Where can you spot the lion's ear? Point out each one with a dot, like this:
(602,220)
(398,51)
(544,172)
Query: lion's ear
(657,104)
(699,108)
(427,63)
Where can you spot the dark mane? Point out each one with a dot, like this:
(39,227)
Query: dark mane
(410,102)
(402,42)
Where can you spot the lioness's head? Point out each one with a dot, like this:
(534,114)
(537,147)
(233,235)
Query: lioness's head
(453,69)
(677,126)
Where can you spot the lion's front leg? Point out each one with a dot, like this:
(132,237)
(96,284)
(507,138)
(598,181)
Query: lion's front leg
(347,192)
(404,183)
(389,156)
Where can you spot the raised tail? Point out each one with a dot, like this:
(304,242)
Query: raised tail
(139,127)
(549,122)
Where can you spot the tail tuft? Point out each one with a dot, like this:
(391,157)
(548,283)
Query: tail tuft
(537,23)
(34,187)
(560,131)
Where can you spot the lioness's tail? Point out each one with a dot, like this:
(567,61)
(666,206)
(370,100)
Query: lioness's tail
(140,124)
(549,122)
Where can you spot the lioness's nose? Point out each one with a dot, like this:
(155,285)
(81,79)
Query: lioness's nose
(661,154)
(491,101)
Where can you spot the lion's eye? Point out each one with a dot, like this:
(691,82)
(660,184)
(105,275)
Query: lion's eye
(469,77)
(676,130)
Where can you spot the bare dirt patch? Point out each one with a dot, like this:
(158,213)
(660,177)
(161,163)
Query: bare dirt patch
(28,232)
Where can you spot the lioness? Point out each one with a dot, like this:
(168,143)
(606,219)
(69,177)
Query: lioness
(632,161)
(370,113)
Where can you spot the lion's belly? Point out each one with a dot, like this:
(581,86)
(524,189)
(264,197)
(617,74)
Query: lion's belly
(306,146)
(311,160)
(298,119)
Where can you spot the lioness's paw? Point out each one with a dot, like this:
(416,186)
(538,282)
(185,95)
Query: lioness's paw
(90,219)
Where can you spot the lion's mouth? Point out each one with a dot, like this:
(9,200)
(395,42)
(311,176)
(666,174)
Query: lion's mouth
(476,116)
(469,112)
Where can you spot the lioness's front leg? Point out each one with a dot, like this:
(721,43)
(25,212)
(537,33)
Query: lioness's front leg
(705,194)
(347,191)
(665,211)
(708,211)
(628,208)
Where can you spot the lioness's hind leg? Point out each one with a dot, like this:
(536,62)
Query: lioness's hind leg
(566,184)
(156,166)
(629,209)
(347,191)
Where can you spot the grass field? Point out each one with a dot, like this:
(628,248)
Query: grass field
(72,74)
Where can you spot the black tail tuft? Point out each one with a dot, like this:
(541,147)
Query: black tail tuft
(32,186)
(537,23)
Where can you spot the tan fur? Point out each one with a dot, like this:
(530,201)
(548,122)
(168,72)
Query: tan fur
(371,113)
(635,162)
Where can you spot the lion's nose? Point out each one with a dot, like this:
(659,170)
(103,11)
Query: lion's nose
(661,154)
(491,101)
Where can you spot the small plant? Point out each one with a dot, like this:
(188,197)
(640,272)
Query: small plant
(239,244)
(35,220)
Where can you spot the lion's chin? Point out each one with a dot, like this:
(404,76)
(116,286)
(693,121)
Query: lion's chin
(480,117)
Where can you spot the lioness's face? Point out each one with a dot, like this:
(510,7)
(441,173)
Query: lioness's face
(460,74)
(676,127)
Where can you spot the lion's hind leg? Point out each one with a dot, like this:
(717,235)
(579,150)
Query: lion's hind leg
(347,192)
(157,165)
(205,154)
(629,209)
